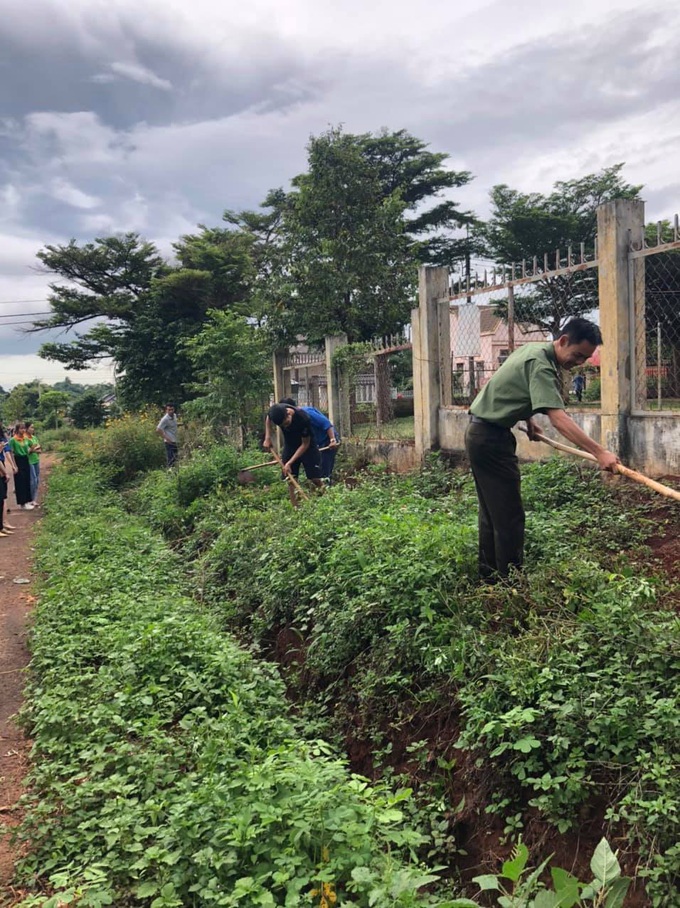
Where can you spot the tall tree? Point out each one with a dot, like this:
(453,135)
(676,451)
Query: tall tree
(232,367)
(339,251)
(22,402)
(51,407)
(87,410)
(405,165)
(527,225)
(136,309)
(225,255)
(341,260)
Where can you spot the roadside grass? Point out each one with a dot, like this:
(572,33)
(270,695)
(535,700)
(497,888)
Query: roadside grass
(542,699)
(166,770)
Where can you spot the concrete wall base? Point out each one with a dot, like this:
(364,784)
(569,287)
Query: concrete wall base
(654,438)
(399,456)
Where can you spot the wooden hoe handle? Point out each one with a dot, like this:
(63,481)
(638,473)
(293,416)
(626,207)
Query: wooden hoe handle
(258,466)
(291,479)
(625,471)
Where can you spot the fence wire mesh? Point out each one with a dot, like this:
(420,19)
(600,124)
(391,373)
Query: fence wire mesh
(657,329)
(380,379)
(490,320)
(381,400)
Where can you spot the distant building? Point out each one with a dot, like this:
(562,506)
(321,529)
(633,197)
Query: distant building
(480,343)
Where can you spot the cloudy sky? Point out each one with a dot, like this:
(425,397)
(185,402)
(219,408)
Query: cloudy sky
(156,116)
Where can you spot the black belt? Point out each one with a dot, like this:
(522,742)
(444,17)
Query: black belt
(485,422)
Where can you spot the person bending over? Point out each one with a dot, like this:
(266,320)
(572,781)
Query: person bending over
(299,444)
(528,382)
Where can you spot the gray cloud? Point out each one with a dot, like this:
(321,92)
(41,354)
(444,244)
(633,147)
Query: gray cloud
(155,117)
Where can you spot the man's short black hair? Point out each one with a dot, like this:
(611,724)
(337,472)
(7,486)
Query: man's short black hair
(277,414)
(580,329)
(288,401)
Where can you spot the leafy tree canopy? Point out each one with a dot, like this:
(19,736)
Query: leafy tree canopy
(527,225)
(230,360)
(136,309)
(338,253)
(21,403)
(51,406)
(87,410)
(524,225)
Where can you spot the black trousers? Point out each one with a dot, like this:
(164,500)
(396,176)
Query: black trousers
(491,452)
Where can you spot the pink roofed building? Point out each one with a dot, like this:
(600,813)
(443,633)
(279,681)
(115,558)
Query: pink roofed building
(480,343)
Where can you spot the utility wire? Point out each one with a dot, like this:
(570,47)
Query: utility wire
(24,314)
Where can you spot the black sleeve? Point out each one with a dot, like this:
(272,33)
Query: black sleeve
(304,424)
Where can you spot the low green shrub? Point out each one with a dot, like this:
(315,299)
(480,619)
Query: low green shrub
(59,439)
(166,772)
(127,447)
(589,704)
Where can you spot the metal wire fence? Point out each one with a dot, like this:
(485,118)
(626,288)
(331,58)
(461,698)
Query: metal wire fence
(494,313)
(655,274)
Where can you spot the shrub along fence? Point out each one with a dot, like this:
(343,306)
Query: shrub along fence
(558,688)
(166,771)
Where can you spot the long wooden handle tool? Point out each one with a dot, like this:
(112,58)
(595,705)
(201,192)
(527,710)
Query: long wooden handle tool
(291,479)
(625,471)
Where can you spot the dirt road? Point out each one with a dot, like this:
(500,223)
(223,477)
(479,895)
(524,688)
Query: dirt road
(16,599)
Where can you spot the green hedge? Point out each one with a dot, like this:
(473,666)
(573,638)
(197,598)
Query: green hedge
(166,771)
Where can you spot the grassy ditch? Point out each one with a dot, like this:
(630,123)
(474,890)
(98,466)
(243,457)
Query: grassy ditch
(545,708)
(166,771)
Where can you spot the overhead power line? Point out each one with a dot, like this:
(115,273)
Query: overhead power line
(24,314)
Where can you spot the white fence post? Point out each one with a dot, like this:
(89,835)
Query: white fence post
(429,352)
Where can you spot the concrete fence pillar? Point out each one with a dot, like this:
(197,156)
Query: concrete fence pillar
(617,221)
(338,386)
(282,385)
(431,355)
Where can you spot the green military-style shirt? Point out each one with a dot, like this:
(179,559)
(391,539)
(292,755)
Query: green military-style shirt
(528,382)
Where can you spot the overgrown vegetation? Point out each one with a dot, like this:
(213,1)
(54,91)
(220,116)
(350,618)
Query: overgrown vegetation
(535,709)
(166,770)
(557,689)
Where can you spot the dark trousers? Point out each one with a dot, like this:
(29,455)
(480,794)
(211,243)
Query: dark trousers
(22,479)
(328,462)
(171,454)
(494,464)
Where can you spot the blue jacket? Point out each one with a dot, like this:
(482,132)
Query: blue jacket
(320,425)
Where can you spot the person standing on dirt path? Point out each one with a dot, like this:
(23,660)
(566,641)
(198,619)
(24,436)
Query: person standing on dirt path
(6,466)
(34,462)
(528,382)
(299,444)
(168,428)
(19,445)
(9,465)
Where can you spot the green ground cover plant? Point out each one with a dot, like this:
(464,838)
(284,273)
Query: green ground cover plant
(558,685)
(563,681)
(166,770)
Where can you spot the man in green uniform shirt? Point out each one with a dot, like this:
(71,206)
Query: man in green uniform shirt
(528,382)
